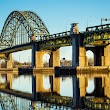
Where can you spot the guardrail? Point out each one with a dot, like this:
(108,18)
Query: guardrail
(97,103)
(98,27)
(53,36)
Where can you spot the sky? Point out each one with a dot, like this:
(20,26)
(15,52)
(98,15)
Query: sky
(58,16)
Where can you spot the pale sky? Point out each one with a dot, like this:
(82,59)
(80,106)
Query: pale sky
(57,16)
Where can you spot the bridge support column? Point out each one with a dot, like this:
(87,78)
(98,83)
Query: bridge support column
(103,61)
(83,61)
(39,59)
(55,61)
(55,58)
(10,61)
(75,63)
(35,49)
(106,58)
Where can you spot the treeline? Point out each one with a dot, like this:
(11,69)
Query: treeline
(15,64)
(46,64)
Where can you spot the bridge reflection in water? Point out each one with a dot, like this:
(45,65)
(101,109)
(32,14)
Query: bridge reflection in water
(25,30)
(24,83)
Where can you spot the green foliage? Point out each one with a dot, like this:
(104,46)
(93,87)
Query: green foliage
(90,62)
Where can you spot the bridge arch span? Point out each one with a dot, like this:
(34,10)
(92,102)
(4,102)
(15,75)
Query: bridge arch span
(19,28)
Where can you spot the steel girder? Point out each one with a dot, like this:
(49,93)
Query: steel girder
(11,102)
(97,35)
(19,28)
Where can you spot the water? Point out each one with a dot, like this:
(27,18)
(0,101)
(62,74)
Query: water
(24,83)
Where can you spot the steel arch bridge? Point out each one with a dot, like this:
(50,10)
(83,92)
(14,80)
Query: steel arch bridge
(19,28)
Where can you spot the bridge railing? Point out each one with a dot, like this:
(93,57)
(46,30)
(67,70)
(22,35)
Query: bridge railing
(98,27)
(52,36)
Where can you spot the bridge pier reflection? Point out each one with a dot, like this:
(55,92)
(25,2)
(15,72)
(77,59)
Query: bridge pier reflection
(107,86)
(54,84)
(106,57)
(9,61)
(9,80)
(54,61)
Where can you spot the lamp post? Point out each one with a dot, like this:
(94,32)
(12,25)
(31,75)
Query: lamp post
(63,61)
(104,19)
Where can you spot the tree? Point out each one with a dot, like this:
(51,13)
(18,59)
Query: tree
(3,64)
(15,63)
(46,64)
(90,62)
(66,62)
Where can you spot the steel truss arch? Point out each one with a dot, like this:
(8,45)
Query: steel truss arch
(39,26)
(20,26)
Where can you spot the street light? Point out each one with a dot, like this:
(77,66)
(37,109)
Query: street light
(63,62)
(104,19)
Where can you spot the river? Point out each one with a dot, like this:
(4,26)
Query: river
(24,83)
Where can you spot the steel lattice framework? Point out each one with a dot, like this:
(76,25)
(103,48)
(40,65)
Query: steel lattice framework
(7,103)
(19,28)
(11,102)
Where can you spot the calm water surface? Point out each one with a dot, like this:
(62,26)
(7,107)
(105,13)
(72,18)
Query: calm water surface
(24,83)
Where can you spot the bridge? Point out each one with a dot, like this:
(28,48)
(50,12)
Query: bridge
(24,30)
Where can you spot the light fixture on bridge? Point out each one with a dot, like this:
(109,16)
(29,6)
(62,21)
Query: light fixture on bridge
(63,62)
(104,19)
(74,28)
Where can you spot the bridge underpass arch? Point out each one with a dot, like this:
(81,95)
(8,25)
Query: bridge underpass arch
(98,52)
(48,83)
(54,59)
(90,86)
(90,57)
(22,58)
(95,87)
(46,59)
(90,80)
